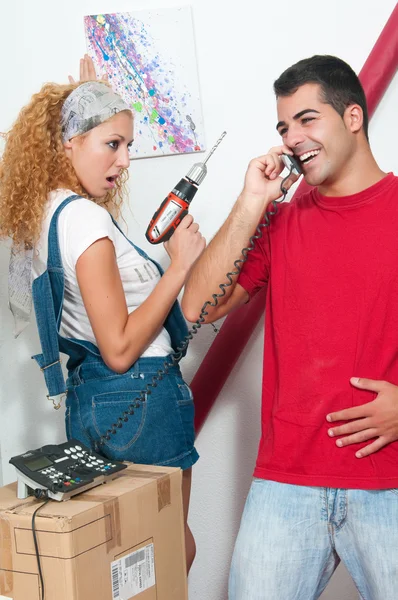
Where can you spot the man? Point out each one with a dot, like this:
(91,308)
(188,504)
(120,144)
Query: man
(323,488)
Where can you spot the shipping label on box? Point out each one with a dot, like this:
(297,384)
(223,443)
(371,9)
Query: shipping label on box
(133,573)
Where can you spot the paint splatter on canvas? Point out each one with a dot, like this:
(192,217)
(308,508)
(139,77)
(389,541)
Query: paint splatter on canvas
(150,60)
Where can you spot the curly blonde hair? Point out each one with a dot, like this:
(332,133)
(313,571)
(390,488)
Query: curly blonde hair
(34,163)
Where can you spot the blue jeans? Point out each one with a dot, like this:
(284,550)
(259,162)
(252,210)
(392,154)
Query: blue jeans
(292,538)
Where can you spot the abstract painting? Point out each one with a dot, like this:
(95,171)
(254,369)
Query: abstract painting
(149,57)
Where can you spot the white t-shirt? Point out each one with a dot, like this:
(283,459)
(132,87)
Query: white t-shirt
(80,224)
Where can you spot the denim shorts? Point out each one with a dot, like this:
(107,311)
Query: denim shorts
(161,430)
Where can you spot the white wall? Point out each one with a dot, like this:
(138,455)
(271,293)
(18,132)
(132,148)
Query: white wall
(240,52)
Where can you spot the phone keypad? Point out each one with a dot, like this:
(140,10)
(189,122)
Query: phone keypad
(83,460)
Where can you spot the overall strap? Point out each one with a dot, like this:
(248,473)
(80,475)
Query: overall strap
(137,248)
(47,299)
(54,259)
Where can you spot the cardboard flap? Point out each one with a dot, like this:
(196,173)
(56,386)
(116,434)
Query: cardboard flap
(72,544)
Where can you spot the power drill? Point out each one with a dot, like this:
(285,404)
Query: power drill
(174,208)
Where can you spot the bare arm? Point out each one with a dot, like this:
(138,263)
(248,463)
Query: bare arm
(211,269)
(122,337)
(262,186)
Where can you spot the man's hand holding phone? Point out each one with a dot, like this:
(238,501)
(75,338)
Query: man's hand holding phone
(263,181)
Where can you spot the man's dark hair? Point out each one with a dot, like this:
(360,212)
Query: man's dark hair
(339,83)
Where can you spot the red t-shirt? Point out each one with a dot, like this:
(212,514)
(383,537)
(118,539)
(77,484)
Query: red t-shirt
(331,265)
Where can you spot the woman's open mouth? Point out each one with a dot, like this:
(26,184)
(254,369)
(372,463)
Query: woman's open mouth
(112,180)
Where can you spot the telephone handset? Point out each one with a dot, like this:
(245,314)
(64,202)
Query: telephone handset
(292,164)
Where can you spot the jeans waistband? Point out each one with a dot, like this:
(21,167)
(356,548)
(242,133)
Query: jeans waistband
(95,368)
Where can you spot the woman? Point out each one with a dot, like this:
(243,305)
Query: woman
(99,298)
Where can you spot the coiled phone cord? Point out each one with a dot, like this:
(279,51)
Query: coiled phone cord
(178,354)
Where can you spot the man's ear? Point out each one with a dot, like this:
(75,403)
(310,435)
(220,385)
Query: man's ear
(353,117)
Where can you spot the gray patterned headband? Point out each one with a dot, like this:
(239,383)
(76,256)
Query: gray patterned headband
(87,106)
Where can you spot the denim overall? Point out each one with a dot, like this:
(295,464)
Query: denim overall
(161,430)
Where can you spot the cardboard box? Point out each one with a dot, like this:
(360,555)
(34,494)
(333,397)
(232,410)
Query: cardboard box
(121,540)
